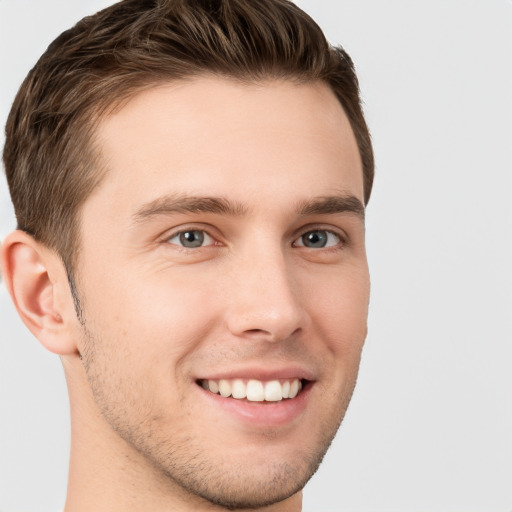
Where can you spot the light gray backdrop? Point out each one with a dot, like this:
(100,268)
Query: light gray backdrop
(430,425)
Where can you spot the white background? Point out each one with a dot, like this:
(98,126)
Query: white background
(430,425)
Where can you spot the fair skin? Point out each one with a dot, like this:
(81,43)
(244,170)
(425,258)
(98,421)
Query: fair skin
(270,285)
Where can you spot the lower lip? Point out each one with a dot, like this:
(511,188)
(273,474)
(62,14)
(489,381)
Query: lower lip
(262,414)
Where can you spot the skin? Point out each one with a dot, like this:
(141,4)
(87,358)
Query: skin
(252,301)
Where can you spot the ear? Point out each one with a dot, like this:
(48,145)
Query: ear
(37,282)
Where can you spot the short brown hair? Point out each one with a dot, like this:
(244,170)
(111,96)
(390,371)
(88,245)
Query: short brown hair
(49,155)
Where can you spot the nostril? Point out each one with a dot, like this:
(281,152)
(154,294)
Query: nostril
(270,336)
(257,331)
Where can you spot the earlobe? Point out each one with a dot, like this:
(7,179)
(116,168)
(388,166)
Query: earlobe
(35,282)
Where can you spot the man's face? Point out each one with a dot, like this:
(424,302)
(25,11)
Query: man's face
(225,247)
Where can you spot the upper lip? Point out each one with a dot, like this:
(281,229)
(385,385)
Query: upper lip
(262,374)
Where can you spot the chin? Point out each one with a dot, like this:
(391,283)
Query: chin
(240,478)
(245,488)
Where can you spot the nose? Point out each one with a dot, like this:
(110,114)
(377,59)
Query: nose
(264,298)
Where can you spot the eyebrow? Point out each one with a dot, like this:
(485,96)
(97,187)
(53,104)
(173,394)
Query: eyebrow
(344,203)
(171,204)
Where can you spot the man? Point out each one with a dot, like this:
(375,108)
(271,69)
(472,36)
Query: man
(189,180)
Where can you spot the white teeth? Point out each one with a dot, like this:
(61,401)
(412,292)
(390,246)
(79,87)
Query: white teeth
(286,389)
(224,388)
(238,389)
(273,391)
(254,390)
(294,389)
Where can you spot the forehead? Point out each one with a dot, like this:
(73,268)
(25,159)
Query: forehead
(215,136)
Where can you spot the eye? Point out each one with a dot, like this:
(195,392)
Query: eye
(191,239)
(318,239)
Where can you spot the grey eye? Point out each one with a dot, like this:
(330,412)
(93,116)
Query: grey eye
(191,239)
(318,239)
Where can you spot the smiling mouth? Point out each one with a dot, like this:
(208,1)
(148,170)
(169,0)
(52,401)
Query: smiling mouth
(254,390)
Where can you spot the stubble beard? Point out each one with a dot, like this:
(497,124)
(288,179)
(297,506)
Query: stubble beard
(184,464)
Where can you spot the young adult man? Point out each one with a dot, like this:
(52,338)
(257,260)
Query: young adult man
(189,180)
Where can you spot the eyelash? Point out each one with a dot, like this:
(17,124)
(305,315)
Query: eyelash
(341,243)
(311,231)
(182,232)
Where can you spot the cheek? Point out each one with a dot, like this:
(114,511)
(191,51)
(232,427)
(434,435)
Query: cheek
(340,311)
(140,336)
(155,319)
(144,326)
